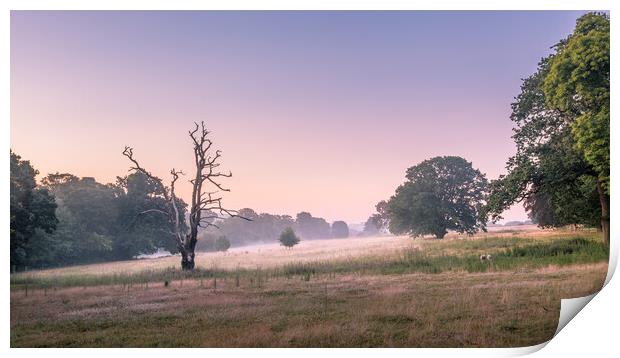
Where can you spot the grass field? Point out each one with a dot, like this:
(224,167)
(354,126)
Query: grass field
(367,292)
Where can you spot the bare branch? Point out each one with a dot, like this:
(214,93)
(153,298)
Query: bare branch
(203,202)
(153,211)
(128,152)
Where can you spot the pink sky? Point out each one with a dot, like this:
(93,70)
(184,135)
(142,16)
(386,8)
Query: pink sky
(320,112)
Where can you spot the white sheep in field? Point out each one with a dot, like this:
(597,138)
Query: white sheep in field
(484,257)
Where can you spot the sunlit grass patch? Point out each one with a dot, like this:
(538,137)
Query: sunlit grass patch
(509,253)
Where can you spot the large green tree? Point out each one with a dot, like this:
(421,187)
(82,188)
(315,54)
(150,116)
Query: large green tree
(440,194)
(547,174)
(32,208)
(550,173)
(578,84)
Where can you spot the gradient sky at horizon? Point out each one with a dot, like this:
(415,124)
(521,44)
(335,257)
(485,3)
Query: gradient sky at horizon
(314,111)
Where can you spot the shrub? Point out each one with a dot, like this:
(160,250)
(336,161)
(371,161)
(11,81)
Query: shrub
(288,238)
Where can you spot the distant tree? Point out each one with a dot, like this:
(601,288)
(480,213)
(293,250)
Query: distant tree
(263,228)
(238,230)
(370,226)
(288,238)
(32,208)
(270,226)
(222,244)
(310,227)
(441,194)
(514,223)
(378,221)
(249,214)
(206,240)
(340,229)
(382,219)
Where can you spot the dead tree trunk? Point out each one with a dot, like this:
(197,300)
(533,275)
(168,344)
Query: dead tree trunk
(203,201)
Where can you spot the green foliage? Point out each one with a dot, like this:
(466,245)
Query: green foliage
(32,209)
(98,222)
(143,233)
(441,194)
(222,244)
(288,238)
(87,210)
(572,246)
(578,83)
(549,174)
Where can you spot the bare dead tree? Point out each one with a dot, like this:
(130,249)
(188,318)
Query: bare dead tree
(206,206)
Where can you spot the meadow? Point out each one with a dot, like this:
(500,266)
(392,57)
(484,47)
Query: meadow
(356,292)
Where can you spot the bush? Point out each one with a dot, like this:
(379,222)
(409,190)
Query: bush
(288,238)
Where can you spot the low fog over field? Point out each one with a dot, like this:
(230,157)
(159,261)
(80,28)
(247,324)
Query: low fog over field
(275,255)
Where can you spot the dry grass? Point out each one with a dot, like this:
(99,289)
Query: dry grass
(414,310)
(339,305)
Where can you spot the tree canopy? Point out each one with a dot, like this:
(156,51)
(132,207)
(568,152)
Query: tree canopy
(288,238)
(340,229)
(547,174)
(440,194)
(32,208)
(561,170)
(140,233)
(310,227)
(93,222)
(578,84)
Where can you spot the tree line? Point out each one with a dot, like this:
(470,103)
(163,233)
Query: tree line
(66,220)
(266,228)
